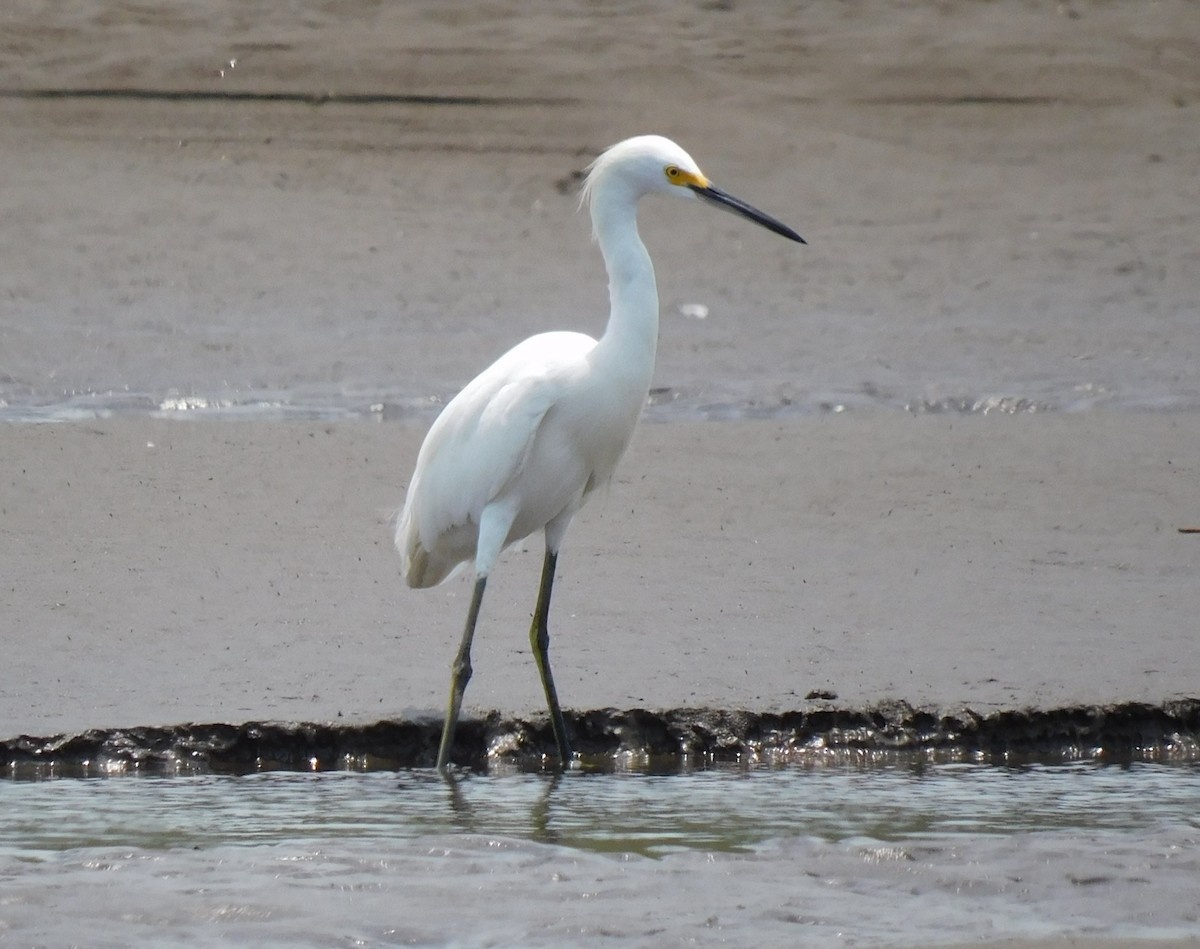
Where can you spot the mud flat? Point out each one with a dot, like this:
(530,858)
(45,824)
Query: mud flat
(608,738)
(159,573)
(349,211)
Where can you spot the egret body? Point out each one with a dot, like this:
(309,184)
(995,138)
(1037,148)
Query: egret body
(525,444)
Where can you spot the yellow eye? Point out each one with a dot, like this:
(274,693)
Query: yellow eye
(682,177)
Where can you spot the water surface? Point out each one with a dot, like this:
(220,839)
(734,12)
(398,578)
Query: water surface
(798,856)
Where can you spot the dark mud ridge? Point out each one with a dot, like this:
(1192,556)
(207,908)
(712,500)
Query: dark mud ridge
(608,738)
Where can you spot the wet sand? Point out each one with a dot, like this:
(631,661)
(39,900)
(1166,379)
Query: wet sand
(162,572)
(1000,200)
(982,214)
(1080,942)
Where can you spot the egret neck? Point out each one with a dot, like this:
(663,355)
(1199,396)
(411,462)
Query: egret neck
(631,337)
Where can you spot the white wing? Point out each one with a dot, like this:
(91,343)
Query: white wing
(475,448)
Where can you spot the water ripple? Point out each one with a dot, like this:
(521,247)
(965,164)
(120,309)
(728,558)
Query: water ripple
(665,403)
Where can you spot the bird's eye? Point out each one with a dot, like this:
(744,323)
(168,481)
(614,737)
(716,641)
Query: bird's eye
(673,173)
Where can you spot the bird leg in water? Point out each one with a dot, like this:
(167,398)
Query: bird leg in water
(539,639)
(460,674)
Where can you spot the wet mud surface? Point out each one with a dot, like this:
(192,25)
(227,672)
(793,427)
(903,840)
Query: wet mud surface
(609,739)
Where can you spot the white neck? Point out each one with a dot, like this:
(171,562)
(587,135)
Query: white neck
(632,332)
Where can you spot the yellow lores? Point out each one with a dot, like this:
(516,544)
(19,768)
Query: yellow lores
(677,176)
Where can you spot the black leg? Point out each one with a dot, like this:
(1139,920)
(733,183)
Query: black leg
(539,639)
(460,675)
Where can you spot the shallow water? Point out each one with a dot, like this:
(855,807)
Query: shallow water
(799,856)
(724,402)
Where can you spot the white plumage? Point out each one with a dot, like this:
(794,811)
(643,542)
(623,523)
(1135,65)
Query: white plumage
(531,436)
(524,444)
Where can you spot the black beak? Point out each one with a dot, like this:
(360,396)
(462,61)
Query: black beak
(728,202)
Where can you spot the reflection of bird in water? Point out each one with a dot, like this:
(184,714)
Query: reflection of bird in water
(527,441)
(466,818)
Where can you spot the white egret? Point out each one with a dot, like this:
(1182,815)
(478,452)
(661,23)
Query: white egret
(527,441)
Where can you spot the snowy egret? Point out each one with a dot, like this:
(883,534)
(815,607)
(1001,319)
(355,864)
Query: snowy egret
(529,439)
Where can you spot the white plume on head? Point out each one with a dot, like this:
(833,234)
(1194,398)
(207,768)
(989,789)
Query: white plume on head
(642,159)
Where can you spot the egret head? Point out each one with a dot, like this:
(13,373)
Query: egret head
(650,163)
(642,165)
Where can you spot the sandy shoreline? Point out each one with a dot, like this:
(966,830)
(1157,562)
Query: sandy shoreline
(163,572)
(1001,201)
